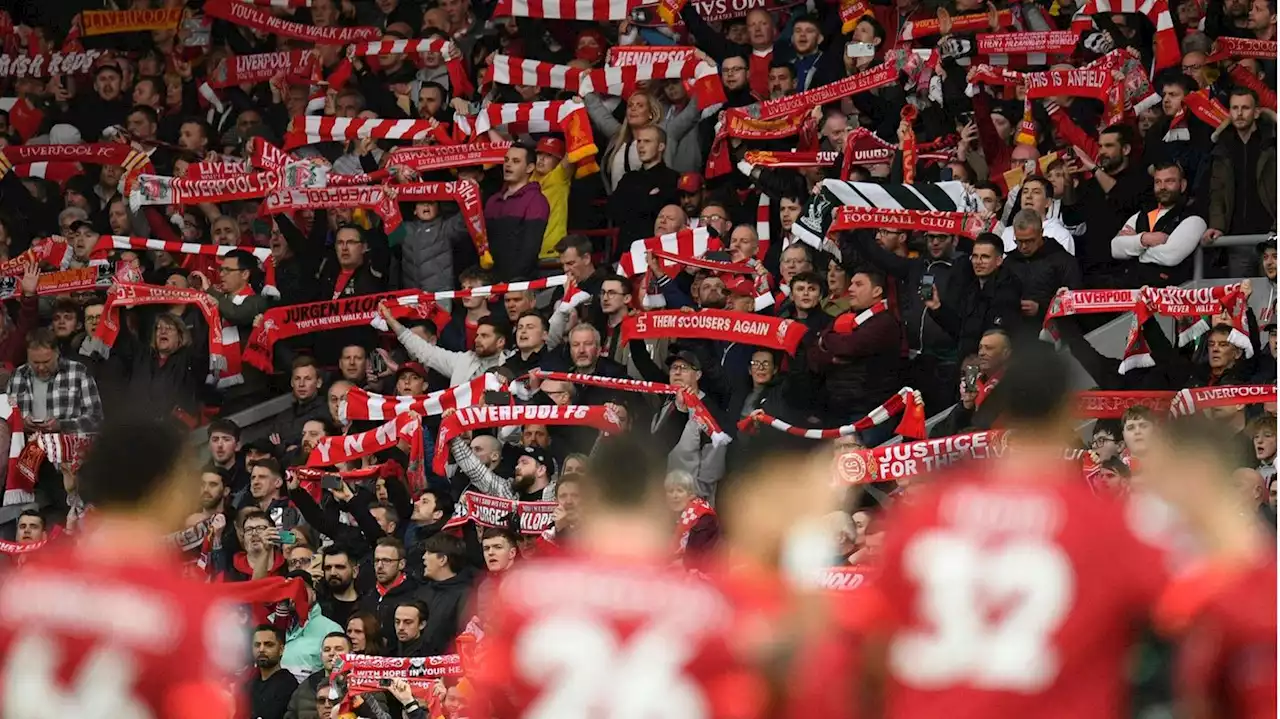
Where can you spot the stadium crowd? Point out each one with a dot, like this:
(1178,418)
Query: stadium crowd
(469,238)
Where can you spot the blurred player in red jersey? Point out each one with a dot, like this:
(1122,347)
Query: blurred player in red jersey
(106,628)
(1223,612)
(610,628)
(1006,588)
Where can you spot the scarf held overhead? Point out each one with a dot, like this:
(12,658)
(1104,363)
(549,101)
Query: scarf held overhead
(137,295)
(965,224)
(906,401)
(488,511)
(362,404)
(239,13)
(469,418)
(349,448)
(293,320)
(723,325)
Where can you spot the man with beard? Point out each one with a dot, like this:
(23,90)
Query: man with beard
(1242,184)
(1156,245)
(270,688)
(1118,189)
(303,701)
(410,620)
(214,490)
(340,599)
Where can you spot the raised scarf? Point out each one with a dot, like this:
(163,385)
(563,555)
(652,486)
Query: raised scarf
(736,123)
(727,270)
(1103,404)
(1196,399)
(849,321)
(626,384)
(863,147)
(1244,78)
(313,129)
(19,489)
(1237,48)
(415,299)
(81,279)
(684,243)
(263,254)
(965,224)
(470,418)
(695,510)
(621,81)
(467,196)
(844,578)
(330,451)
(705,87)
(211,170)
(906,401)
(489,511)
(426,158)
(310,478)
(1169,301)
(132,161)
(1202,105)
(161,190)
(137,295)
(889,463)
(997,46)
(563,116)
(48,64)
(459,82)
(363,673)
(772,158)
(111,22)
(376,198)
(721,325)
(15,548)
(591,10)
(239,13)
(293,320)
(362,404)
(928,27)
(1167,51)
(269,590)
(881,75)
(261,67)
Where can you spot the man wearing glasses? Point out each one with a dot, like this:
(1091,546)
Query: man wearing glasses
(238,305)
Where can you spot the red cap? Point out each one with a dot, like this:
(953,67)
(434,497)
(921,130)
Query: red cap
(551,146)
(740,286)
(413,367)
(690,182)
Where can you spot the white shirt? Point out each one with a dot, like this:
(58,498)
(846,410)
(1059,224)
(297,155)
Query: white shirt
(1181,243)
(1053,229)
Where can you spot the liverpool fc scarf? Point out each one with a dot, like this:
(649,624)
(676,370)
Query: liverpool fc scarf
(694,511)
(252,69)
(19,489)
(81,279)
(137,295)
(361,674)
(444,157)
(111,22)
(625,384)
(293,320)
(1101,404)
(466,194)
(736,123)
(907,401)
(470,418)
(16,548)
(722,325)
(96,153)
(239,13)
(362,404)
(160,190)
(1196,399)
(1236,48)
(488,511)
(378,199)
(964,224)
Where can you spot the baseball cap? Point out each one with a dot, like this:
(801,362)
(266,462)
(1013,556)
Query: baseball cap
(538,455)
(81,225)
(551,146)
(686,356)
(413,367)
(689,183)
(738,285)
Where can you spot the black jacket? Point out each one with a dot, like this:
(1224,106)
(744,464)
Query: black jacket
(446,602)
(384,605)
(1040,276)
(923,332)
(970,307)
(861,367)
(288,424)
(640,195)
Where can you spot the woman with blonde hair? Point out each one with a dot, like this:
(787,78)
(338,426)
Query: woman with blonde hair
(642,110)
(697,526)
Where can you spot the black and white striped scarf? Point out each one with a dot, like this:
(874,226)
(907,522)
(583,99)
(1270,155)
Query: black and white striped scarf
(949,196)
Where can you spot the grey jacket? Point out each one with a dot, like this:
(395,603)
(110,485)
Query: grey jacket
(703,461)
(459,367)
(426,253)
(683,153)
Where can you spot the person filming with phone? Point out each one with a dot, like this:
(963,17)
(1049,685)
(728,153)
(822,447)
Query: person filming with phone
(979,383)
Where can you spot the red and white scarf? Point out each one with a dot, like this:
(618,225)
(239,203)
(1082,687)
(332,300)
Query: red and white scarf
(366,673)
(138,295)
(244,15)
(965,224)
(161,190)
(467,196)
(863,147)
(722,325)
(489,511)
(75,62)
(906,401)
(263,254)
(594,10)
(1168,53)
(1236,48)
(132,161)
(563,116)
(362,404)
(1196,399)
(763,298)
(96,276)
(313,129)
(470,418)
(377,198)
(622,81)
(330,451)
(1024,48)
(293,320)
(849,321)
(626,384)
(685,243)
(261,67)
(19,489)
(443,157)
(695,510)
(706,86)
(423,298)
(459,83)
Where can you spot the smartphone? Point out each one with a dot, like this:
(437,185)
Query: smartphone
(860,49)
(926,288)
(331,481)
(966,118)
(288,537)
(971,373)
(277,516)
(494,397)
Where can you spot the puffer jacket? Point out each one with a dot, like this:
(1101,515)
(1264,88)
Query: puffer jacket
(1040,276)
(426,253)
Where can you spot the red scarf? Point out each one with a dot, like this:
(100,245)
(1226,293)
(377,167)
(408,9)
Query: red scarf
(466,194)
(722,325)
(489,511)
(361,404)
(263,254)
(906,401)
(252,69)
(269,590)
(626,384)
(111,22)
(459,82)
(1242,47)
(443,157)
(410,305)
(910,459)
(238,13)
(96,276)
(470,418)
(18,549)
(620,81)
(97,153)
(738,123)
(1168,52)
(695,510)
(21,488)
(728,272)
(863,147)
(848,322)
(928,27)
(1101,404)
(138,295)
(293,320)
(965,224)
(1195,399)
(330,451)
(366,673)
(378,198)
(310,478)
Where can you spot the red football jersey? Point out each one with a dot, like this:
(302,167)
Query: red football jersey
(580,637)
(93,638)
(1014,598)
(1227,654)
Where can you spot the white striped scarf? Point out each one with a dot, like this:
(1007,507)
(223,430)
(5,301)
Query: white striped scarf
(1168,53)
(360,404)
(685,243)
(508,70)
(565,116)
(892,407)
(483,291)
(312,129)
(591,10)
(949,196)
(281,4)
(233,373)
(122,242)
(763,298)
(14,493)
(400,47)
